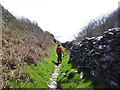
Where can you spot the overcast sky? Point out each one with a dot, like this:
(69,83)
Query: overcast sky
(63,18)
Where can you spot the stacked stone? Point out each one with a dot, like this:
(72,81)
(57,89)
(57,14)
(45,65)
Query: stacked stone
(100,56)
(68,45)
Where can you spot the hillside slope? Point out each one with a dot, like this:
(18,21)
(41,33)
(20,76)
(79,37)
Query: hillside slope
(23,43)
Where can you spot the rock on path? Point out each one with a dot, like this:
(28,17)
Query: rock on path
(53,83)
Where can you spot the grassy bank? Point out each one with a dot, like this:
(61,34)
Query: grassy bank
(69,77)
(38,76)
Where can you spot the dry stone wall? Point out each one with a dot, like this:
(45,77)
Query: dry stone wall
(99,55)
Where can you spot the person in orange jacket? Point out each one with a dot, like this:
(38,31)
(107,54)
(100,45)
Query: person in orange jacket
(59,52)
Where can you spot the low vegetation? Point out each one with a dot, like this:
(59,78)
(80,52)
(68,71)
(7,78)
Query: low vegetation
(36,76)
(26,58)
(23,43)
(70,78)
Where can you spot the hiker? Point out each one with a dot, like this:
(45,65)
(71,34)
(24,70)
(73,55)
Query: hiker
(59,52)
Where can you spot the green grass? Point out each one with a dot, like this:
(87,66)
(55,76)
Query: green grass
(40,74)
(72,79)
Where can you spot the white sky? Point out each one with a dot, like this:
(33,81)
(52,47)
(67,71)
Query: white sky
(63,18)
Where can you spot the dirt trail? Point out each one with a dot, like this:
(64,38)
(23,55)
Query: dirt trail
(53,83)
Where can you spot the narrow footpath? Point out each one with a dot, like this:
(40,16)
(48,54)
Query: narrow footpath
(53,79)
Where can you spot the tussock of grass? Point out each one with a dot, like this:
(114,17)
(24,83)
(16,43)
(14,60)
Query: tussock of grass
(72,79)
(39,75)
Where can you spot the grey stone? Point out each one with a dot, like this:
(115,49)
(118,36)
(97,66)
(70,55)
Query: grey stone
(99,55)
(107,58)
(64,75)
(95,73)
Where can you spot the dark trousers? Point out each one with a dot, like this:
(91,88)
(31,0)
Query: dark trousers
(59,57)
